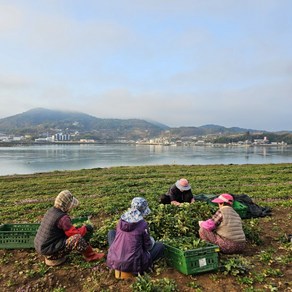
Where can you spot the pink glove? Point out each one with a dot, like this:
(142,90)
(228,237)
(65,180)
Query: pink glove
(208,224)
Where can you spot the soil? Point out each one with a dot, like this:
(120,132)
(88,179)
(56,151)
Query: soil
(24,270)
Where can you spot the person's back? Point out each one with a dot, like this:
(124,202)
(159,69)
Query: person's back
(129,251)
(231,225)
(132,249)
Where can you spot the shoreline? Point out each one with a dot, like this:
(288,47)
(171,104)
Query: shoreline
(139,166)
(225,145)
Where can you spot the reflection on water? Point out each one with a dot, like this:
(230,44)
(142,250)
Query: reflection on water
(31,159)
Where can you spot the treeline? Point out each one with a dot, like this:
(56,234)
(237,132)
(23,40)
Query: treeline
(272,137)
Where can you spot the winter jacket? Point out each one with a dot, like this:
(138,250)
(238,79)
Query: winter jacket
(49,238)
(129,250)
(179,196)
(231,225)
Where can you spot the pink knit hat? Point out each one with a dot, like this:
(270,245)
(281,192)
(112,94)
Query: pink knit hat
(224,198)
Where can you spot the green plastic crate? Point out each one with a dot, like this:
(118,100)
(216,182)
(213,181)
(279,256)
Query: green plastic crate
(193,261)
(14,236)
(21,235)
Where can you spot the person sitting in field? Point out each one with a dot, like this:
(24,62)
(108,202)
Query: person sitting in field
(225,227)
(57,237)
(180,192)
(132,249)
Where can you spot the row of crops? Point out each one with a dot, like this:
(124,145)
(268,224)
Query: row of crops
(106,193)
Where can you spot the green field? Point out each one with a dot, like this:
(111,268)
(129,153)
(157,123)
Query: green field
(105,193)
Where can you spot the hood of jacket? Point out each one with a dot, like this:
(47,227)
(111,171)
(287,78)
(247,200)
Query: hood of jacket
(127,226)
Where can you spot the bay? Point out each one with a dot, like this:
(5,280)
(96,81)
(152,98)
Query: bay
(46,158)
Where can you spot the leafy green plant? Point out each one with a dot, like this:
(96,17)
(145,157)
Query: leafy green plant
(42,269)
(235,266)
(245,280)
(271,272)
(146,284)
(267,255)
(186,243)
(169,221)
(195,286)
(252,231)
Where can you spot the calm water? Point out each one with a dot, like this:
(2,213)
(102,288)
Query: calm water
(32,159)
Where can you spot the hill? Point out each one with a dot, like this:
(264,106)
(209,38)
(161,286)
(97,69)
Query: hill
(44,121)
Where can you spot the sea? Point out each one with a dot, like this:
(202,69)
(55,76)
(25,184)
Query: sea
(47,158)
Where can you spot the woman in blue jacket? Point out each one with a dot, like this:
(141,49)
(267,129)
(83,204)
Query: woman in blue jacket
(132,249)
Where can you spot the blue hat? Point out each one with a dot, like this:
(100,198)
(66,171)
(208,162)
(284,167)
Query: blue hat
(139,209)
(141,205)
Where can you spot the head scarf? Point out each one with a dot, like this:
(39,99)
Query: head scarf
(65,201)
(139,209)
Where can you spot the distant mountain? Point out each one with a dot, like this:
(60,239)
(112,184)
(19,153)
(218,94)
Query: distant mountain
(220,129)
(208,130)
(40,121)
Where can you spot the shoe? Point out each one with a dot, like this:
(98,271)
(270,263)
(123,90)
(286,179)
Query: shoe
(56,262)
(90,255)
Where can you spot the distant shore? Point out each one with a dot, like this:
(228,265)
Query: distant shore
(14,144)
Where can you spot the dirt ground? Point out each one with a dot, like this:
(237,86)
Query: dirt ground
(24,270)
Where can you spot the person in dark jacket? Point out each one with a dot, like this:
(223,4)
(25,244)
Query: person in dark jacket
(180,192)
(57,237)
(132,249)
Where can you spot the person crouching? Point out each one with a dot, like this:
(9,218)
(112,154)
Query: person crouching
(57,237)
(225,227)
(132,249)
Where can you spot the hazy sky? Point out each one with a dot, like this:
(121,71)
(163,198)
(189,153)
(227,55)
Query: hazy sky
(178,62)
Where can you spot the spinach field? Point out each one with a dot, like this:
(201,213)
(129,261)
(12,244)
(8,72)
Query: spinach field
(104,193)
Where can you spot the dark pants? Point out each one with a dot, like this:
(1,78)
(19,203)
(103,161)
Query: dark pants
(156,252)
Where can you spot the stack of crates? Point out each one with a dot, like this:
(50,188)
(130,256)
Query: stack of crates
(193,261)
(21,235)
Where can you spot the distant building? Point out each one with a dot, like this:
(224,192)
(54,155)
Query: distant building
(261,141)
(62,137)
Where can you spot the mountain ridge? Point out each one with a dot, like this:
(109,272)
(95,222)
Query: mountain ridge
(38,121)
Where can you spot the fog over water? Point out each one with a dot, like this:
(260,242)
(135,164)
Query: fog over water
(46,158)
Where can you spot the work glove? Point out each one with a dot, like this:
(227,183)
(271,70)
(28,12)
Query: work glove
(89,232)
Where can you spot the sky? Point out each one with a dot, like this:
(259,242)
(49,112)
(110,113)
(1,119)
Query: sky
(177,62)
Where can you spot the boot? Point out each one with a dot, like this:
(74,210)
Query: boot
(90,255)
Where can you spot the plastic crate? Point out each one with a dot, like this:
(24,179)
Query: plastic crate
(14,236)
(18,236)
(193,261)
